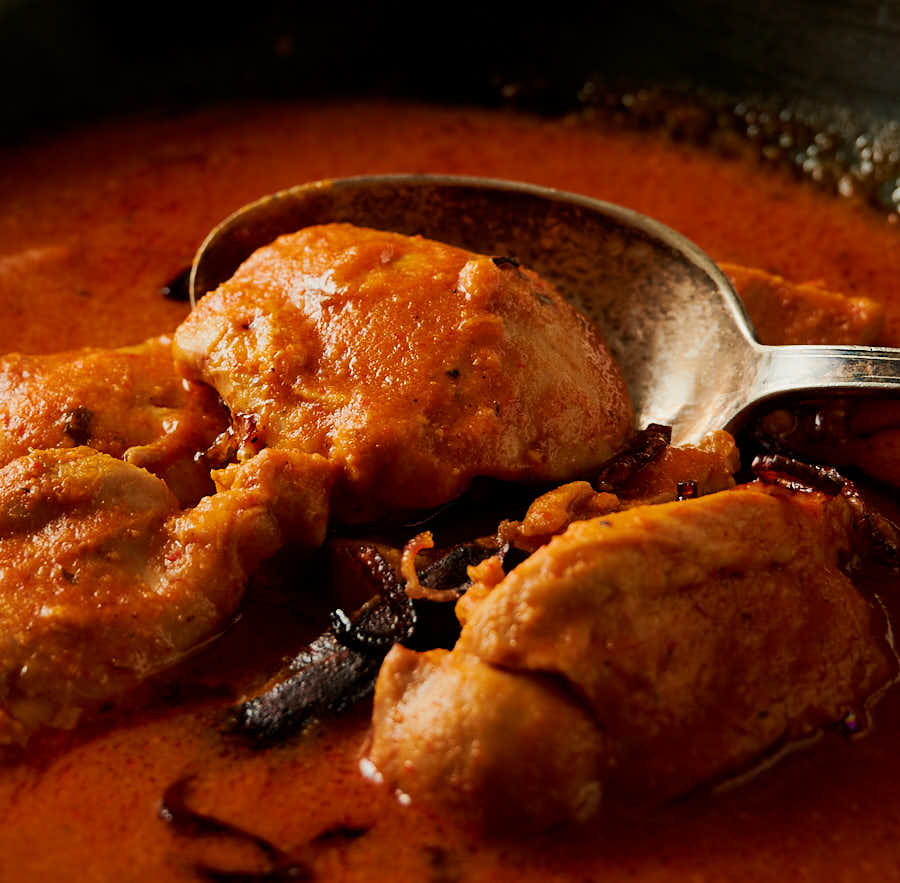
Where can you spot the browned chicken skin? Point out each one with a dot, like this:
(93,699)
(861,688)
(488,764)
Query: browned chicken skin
(695,635)
(128,402)
(413,365)
(103,581)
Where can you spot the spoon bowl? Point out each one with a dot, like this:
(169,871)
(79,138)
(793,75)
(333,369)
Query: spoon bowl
(671,318)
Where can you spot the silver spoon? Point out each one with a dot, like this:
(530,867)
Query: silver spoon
(669,315)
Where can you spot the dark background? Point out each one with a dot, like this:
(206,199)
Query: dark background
(63,61)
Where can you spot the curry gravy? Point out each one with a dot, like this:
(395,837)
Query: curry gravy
(93,225)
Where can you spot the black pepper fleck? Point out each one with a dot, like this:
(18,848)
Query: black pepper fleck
(78,424)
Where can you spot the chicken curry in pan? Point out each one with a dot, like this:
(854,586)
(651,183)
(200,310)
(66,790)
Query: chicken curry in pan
(360,568)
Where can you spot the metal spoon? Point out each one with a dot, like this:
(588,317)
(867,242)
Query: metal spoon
(671,318)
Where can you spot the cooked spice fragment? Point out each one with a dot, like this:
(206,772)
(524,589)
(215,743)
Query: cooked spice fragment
(78,424)
(644,448)
(451,569)
(325,678)
(340,666)
(797,476)
(385,620)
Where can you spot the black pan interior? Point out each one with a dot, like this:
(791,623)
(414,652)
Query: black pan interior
(66,62)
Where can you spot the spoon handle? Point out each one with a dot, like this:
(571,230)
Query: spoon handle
(816,369)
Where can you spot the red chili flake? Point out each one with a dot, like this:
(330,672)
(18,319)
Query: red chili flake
(687,490)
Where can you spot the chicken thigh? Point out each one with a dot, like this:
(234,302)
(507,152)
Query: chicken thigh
(104,581)
(693,635)
(413,365)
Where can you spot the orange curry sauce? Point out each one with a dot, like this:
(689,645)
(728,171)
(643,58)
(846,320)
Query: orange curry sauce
(93,224)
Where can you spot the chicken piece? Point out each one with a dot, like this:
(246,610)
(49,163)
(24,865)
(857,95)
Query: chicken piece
(785,312)
(413,365)
(496,744)
(697,635)
(129,403)
(104,582)
(297,486)
(551,513)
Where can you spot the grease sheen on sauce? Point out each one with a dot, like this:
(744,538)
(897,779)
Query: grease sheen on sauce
(94,224)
